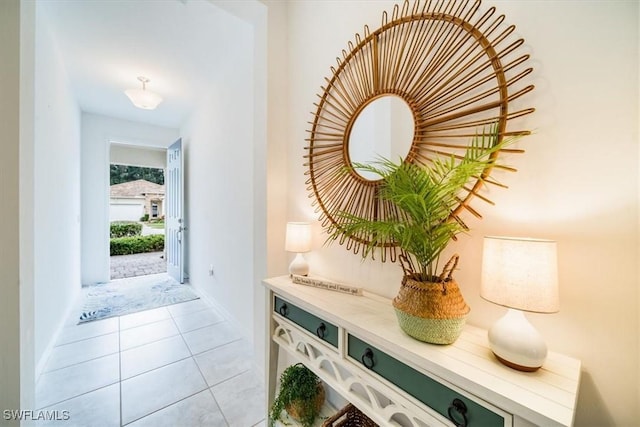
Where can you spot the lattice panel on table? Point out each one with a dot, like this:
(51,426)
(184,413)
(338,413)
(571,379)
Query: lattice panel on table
(381,404)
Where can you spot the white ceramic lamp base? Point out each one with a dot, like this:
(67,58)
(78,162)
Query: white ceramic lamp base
(299,266)
(516,343)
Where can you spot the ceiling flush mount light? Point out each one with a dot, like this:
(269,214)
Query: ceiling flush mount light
(143,98)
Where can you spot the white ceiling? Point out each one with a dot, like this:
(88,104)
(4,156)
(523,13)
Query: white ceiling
(106,44)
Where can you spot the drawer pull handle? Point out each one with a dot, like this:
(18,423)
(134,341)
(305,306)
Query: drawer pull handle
(283,310)
(367,358)
(458,406)
(321,330)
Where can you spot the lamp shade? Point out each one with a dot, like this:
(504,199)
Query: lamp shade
(520,273)
(298,237)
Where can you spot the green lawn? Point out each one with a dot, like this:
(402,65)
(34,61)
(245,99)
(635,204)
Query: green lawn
(158,225)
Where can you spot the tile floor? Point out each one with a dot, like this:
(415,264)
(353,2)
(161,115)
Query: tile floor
(180,365)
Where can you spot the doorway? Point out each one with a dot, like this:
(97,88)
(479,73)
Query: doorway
(136,211)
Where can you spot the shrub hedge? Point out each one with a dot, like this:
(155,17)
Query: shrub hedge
(125,229)
(137,244)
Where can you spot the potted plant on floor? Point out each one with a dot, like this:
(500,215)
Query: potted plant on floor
(301,395)
(429,305)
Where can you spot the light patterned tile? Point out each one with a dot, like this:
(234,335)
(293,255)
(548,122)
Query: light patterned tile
(143,317)
(99,408)
(81,351)
(65,383)
(199,410)
(145,334)
(197,320)
(153,355)
(162,385)
(188,307)
(210,337)
(157,389)
(224,362)
(241,399)
(83,331)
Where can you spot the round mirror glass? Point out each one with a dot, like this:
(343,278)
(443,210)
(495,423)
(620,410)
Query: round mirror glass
(384,128)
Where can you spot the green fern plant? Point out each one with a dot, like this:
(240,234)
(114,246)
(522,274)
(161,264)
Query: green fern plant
(425,198)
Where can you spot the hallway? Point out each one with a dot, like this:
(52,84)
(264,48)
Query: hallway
(176,365)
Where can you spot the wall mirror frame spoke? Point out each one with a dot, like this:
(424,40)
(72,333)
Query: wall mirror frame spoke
(459,69)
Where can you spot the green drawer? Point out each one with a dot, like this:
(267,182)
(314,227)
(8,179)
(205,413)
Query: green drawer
(308,321)
(427,390)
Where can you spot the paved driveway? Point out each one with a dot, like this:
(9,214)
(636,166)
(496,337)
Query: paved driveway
(137,265)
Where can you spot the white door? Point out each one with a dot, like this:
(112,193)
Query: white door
(174,219)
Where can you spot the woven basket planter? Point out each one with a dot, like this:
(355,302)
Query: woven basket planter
(296,409)
(433,312)
(349,416)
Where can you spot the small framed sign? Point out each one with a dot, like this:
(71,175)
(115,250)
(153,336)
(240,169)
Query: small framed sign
(326,284)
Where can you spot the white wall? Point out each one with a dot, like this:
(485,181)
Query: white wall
(97,133)
(138,156)
(56,191)
(27,231)
(577,182)
(10,363)
(276,157)
(269,115)
(218,144)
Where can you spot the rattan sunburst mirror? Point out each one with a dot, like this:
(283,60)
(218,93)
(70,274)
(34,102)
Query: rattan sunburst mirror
(457,71)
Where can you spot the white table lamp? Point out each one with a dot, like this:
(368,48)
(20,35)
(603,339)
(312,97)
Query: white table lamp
(298,240)
(520,274)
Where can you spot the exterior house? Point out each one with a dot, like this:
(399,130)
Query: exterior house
(130,201)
